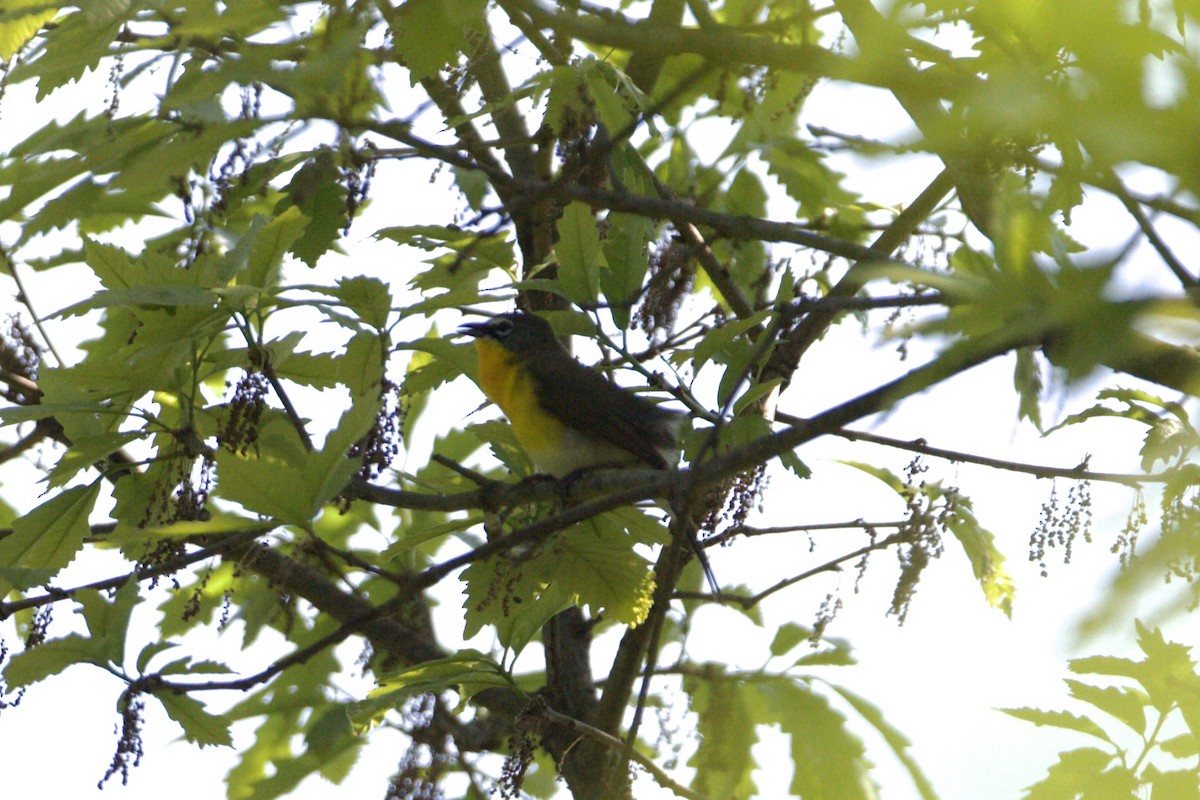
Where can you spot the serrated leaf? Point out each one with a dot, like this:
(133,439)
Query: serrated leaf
(897,741)
(367,297)
(1106,665)
(603,572)
(150,651)
(787,636)
(1027,379)
(1123,704)
(108,619)
(433,32)
(294,491)
(755,393)
(1182,784)
(269,242)
(1085,771)
(882,473)
(318,370)
(840,656)
(987,562)
(316,190)
(515,597)
(1185,745)
(144,297)
(22,20)
(728,713)
(625,253)
(828,760)
(74,46)
(50,658)
(720,342)
(1059,719)
(12,415)
(579,254)
(468,671)
(199,727)
(416,537)
(265,485)
(49,536)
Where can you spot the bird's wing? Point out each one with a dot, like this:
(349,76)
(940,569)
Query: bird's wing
(587,402)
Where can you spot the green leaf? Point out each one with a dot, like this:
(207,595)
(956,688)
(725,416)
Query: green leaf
(886,475)
(433,32)
(108,620)
(50,658)
(987,562)
(145,297)
(1169,674)
(515,597)
(149,651)
(787,636)
(366,297)
(269,241)
(74,46)
(626,256)
(728,712)
(294,490)
(1027,378)
(755,393)
(316,190)
(579,253)
(602,571)
(199,727)
(1173,785)
(468,671)
(22,19)
(1106,665)
(721,343)
(828,760)
(1123,704)
(267,485)
(47,538)
(1059,719)
(840,655)
(1088,772)
(318,370)
(1185,745)
(896,740)
(414,537)
(11,415)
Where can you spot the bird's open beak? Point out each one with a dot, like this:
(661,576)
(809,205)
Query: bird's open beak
(475,329)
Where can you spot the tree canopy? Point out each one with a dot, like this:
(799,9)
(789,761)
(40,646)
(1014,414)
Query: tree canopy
(248,408)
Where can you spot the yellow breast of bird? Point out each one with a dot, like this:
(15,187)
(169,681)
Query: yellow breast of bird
(513,388)
(554,448)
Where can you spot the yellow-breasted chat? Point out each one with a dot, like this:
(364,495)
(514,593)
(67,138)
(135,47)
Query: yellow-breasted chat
(567,416)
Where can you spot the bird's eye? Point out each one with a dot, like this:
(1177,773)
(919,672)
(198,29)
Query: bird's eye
(502,327)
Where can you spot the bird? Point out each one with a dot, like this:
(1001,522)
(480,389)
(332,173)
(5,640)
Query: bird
(567,416)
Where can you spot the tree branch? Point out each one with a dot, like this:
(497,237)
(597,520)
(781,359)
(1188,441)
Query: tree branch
(1077,473)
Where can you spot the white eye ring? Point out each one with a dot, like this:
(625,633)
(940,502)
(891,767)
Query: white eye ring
(502,326)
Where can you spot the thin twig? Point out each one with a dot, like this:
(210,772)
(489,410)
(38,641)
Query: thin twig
(141,573)
(1156,241)
(828,566)
(25,300)
(1078,473)
(751,531)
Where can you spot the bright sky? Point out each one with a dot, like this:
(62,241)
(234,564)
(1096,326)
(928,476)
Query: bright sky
(938,678)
